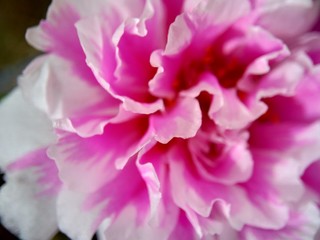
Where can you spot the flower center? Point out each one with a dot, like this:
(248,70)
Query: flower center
(226,68)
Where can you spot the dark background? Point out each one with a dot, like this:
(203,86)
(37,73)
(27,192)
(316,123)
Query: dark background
(15,17)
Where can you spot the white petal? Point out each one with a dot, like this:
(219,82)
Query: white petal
(24,213)
(22,128)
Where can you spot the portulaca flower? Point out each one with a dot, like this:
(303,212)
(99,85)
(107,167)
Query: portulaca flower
(166,120)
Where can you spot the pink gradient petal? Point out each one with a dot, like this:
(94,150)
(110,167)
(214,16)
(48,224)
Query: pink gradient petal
(107,203)
(187,31)
(283,18)
(309,43)
(86,160)
(311,178)
(234,114)
(62,102)
(172,9)
(220,11)
(58,34)
(303,224)
(133,67)
(183,229)
(297,141)
(197,196)
(149,175)
(284,78)
(99,45)
(116,197)
(38,162)
(270,184)
(182,121)
(221,159)
(164,215)
(306,94)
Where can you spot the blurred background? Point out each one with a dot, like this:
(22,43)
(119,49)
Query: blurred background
(15,17)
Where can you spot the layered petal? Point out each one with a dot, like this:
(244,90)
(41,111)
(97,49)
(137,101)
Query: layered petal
(303,224)
(115,64)
(49,82)
(282,18)
(183,121)
(166,119)
(197,197)
(87,160)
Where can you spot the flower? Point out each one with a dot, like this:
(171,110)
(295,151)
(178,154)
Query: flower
(152,119)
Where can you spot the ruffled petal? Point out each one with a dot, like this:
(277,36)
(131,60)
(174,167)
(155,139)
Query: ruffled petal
(296,141)
(44,83)
(86,160)
(233,113)
(114,65)
(221,159)
(183,121)
(197,197)
(282,18)
(304,222)
(108,204)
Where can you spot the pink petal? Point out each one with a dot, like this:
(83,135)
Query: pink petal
(188,31)
(220,11)
(233,113)
(45,169)
(164,214)
(172,9)
(149,175)
(110,202)
(58,34)
(183,229)
(284,78)
(99,43)
(311,178)
(182,121)
(283,18)
(62,102)
(222,159)
(303,224)
(85,160)
(195,195)
(133,67)
(285,109)
(116,197)
(297,141)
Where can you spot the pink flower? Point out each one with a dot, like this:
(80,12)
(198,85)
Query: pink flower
(167,120)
